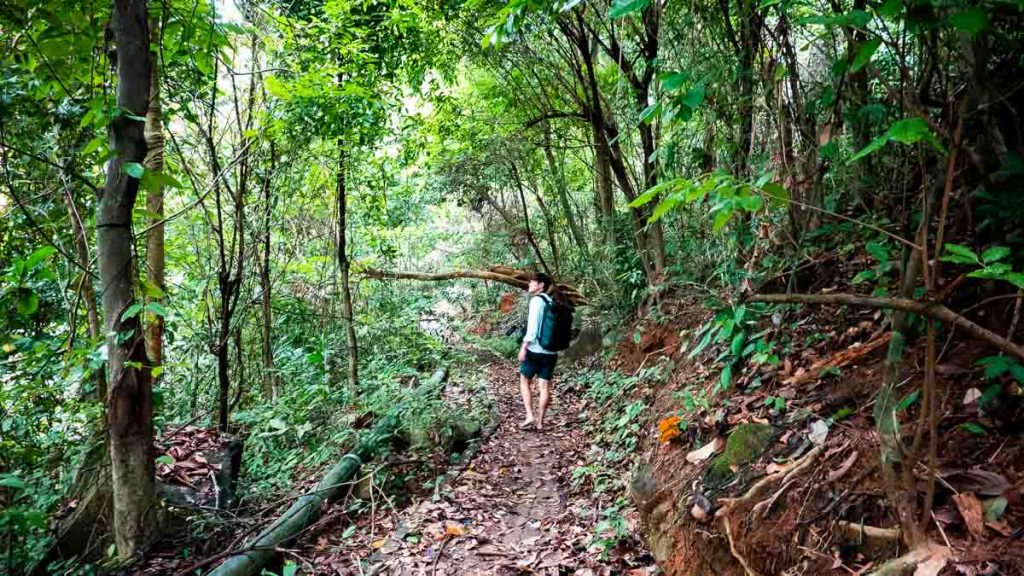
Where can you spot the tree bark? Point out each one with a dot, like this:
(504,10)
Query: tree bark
(562,192)
(270,380)
(154,134)
(130,401)
(343,266)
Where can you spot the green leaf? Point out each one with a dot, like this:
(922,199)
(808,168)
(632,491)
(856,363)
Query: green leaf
(156,371)
(995,254)
(39,256)
(974,428)
(290,568)
(878,251)
(132,311)
(864,54)
(349,532)
(913,130)
(863,276)
(737,343)
(278,424)
(721,219)
(12,481)
(960,255)
(664,207)
(157,309)
(134,169)
(871,148)
(621,8)
(694,97)
(28,303)
(650,113)
(726,378)
(1016,278)
(972,20)
(907,401)
(672,80)
(751,203)
(94,144)
(165,459)
(994,508)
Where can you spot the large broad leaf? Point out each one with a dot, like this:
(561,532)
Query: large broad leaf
(913,130)
(649,113)
(995,254)
(27,304)
(673,80)
(694,97)
(906,131)
(958,254)
(663,207)
(134,169)
(622,8)
(867,50)
(38,256)
(972,20)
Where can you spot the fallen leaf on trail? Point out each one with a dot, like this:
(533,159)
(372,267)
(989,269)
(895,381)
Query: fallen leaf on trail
(972,396)
(378,543)
(706,451)
(776,467)
(1002,527)
(819,432)
(934,559)
(972,511)
(453,529)
(975,480)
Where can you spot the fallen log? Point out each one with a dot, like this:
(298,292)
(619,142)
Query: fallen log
(502,274)
(262,549)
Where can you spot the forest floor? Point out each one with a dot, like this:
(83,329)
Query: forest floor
(511,510)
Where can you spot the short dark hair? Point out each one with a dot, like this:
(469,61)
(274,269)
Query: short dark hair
(543,279)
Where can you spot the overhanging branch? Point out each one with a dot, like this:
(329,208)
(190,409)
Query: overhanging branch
(931,310)
(501,274)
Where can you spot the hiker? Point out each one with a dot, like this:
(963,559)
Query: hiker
(548,325)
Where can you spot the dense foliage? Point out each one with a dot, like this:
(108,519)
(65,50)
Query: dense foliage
(638,148)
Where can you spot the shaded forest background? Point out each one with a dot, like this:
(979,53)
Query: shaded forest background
(196,200)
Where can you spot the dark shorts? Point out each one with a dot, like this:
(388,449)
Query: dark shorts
(540,365)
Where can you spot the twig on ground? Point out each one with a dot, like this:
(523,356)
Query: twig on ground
(440,552)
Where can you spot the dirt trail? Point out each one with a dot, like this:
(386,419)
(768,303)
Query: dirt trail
(510,511)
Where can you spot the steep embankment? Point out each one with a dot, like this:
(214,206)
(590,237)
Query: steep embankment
(780,473)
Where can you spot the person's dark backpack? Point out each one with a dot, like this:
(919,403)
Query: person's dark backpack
(556,328)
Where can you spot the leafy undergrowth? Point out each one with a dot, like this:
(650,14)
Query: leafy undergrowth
(761,449)
(286,456)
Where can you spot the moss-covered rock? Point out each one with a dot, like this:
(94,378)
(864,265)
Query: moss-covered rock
(745,443)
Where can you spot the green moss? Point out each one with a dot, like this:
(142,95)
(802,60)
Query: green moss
(746,443)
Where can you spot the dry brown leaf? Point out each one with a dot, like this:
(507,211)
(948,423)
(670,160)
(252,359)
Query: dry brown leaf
(706,451)
(972,511)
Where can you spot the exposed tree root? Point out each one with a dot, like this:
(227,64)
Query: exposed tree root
(925,560)
(760,489)
(735,553)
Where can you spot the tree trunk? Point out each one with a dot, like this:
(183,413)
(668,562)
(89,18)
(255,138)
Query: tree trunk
(85,287)
(130,401)
(270,379)
(562,192)
(343,266)
(154,134)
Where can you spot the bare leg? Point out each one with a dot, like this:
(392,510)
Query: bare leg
(524,388)
(545,397)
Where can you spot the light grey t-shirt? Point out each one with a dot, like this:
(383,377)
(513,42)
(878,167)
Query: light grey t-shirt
(533,323)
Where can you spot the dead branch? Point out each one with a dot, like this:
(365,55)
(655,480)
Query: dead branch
(502,274)
(931,310)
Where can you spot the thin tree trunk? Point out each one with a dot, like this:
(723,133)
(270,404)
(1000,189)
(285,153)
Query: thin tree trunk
(88,290)
(154,134)
(130,401)
(269,372)
(343,265)
(562,192)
